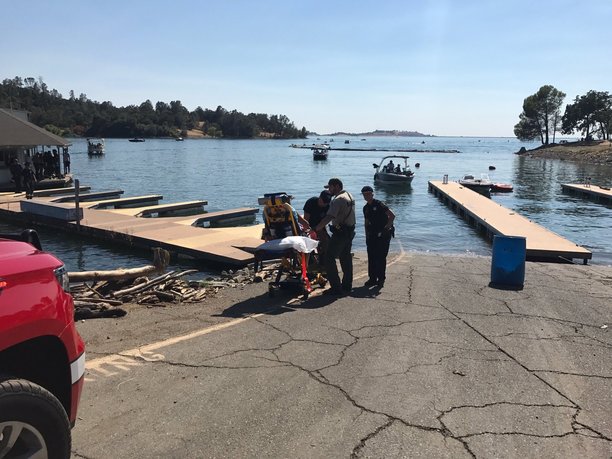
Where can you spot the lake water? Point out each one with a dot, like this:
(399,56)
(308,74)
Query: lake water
(234,173)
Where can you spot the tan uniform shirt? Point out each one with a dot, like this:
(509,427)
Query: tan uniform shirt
(342,209)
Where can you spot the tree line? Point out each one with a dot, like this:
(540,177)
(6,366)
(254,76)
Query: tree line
(589,114)
(80,116)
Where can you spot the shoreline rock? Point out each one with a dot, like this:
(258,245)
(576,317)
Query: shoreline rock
(598,151)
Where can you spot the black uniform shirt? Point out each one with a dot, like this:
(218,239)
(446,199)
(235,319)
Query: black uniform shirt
(315,212)
(376,217)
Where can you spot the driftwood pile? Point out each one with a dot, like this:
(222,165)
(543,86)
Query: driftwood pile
(104,293)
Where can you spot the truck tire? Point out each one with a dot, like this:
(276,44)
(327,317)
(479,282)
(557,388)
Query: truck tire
(32,421)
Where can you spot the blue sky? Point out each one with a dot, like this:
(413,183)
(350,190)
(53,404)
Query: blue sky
(439,67)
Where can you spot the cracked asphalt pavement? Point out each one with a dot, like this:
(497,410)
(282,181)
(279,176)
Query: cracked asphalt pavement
(436,364)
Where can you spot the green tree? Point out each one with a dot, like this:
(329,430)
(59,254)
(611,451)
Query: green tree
(541,115)
(589,114)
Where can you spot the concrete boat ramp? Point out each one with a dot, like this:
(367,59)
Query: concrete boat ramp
(131,221)
(495,219)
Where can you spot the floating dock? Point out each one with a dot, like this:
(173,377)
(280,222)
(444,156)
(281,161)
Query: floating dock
(495,219)
(595,192)
(135,227)
(395,150)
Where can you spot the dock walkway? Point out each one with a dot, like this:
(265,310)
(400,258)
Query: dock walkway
(176,234)
(495,219)
(598,193)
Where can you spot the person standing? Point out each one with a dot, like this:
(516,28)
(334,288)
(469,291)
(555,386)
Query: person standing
(341,215)
(66,159)
(16,173)
(378,231)
(29,178)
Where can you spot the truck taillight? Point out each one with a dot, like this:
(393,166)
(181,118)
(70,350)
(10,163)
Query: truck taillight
(62,278)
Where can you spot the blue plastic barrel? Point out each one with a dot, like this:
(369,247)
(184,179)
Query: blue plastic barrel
(508,263)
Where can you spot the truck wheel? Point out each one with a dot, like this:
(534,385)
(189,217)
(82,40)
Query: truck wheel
(33,423)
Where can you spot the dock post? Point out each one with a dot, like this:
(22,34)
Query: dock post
(76,204)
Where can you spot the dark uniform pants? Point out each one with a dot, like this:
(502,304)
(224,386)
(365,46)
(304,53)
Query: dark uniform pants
(378,248)
(339,247)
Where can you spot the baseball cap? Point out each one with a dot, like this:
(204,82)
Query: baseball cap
(334,181)
(367,188)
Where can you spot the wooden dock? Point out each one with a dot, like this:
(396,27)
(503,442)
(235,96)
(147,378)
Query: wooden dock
(176,234)
(494,219)
(595,192)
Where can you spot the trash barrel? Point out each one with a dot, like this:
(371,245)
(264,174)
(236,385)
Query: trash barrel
(508,262)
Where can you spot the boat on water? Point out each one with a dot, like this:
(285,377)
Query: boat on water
(179,139)
(137,139)
(391,173)
(481,185)
(320,152)
(502,188)
(95,147)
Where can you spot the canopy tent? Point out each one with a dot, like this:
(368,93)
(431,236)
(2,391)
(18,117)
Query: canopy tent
(18,133)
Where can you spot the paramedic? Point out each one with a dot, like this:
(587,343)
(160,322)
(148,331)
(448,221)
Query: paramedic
(314,211)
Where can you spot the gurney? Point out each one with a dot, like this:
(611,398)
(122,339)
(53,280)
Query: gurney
(285,240)
(293,270)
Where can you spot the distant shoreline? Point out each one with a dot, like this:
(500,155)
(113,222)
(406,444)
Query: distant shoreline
(599,151)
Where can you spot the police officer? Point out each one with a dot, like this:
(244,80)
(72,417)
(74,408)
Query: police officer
(341,214)
(378,231)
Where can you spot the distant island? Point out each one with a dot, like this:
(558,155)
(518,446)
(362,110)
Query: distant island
(381,133)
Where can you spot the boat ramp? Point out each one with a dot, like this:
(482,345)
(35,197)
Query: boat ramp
(140,221)
(594,192)
(494,219)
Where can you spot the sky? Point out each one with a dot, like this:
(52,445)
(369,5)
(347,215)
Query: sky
(445,67)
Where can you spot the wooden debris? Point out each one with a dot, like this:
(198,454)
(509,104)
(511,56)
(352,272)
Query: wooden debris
(107,295)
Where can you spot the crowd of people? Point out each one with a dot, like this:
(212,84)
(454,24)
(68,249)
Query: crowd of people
(37,167)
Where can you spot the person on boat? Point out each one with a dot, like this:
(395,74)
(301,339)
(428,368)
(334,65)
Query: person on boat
(315,209)
(48,164)
(57,170)
(341,215)
(16,173)
(38,163)
(398,169)
(390,166)
(29,179)
(66,159)
(378,231)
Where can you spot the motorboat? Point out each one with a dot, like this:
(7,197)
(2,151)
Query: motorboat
(320,152)
(481,185)
(179,139)
(137,139)
(502,188)
(390,173)
(95,147)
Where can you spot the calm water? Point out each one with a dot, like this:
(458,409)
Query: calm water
(233,173)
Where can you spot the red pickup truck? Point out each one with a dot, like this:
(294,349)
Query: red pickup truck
(42,356)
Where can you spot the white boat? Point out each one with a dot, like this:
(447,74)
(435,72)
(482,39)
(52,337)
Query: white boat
(480,185)
(320,152)
(392,173)
(95,147)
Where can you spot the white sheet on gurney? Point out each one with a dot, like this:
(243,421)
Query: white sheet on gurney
(299,243)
